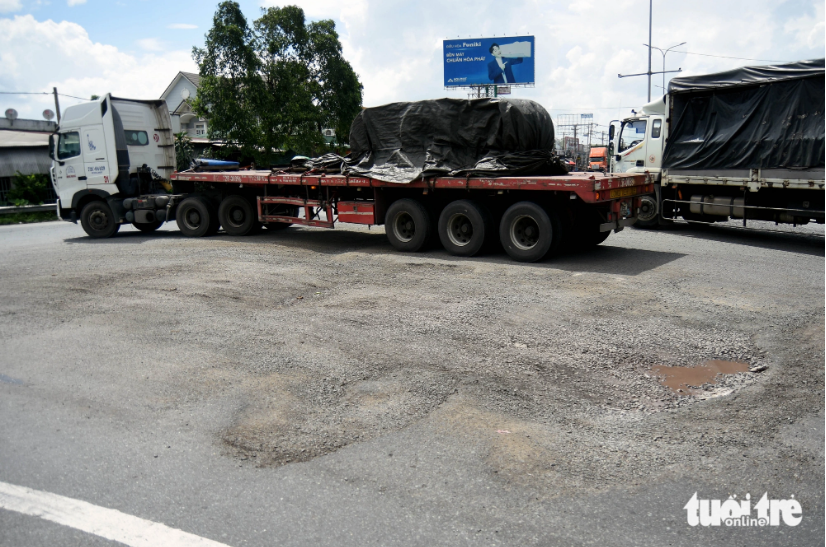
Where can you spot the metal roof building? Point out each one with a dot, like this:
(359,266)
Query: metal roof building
(24,152)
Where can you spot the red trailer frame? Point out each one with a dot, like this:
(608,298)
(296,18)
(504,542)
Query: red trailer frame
(578,208)
(590,187)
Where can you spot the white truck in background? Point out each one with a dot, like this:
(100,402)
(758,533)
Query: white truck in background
(112,147)
(746,144)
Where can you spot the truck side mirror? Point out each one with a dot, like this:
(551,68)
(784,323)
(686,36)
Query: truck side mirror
(610,132)
(51,146)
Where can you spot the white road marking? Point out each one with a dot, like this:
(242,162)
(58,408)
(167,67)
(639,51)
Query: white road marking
(106,523)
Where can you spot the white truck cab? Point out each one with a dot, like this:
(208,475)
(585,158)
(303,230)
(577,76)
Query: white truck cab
(641,141)
(105,151)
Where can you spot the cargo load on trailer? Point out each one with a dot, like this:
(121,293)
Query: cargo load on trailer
(401,142)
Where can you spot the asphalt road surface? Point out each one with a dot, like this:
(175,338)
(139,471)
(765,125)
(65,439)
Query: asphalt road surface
(312,387)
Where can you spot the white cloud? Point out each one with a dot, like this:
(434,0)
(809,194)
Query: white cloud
(8,6)
(182,26)
(396,46)
(75,2)
(39,55)
(808,31)
(150,44)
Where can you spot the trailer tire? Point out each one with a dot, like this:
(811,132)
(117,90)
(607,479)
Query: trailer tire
(408,225)
(238,216)
(98,220)
(196,217)
(592,240)
(148,227)
(527,231)
(464,227)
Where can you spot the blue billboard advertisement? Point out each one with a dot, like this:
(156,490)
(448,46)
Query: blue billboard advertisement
(489,61)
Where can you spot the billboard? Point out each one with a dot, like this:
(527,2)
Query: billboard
(489,61)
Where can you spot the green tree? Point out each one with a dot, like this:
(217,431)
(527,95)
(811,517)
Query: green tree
(184,153)
(230,83)
(287,77)
(29,189)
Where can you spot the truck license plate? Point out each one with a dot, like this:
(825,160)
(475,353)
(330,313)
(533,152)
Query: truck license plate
(622,192)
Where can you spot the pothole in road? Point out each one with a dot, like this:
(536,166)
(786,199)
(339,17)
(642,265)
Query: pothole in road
(296,419)
(689,380)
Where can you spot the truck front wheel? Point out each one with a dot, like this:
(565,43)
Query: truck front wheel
(196,217)
(527,232)
(98,220)
(649,212)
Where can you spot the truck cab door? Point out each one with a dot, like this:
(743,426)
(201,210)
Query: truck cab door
(632,146)
(95,164)
(69,175)
(655,144)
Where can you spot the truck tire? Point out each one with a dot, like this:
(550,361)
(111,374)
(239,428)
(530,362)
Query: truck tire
(527,232)
(408,226)
(98,220)
(196,217)
(238,216)
(649,212)
(148,227)
(464,226)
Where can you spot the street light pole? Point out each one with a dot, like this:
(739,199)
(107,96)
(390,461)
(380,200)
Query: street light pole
(664,53)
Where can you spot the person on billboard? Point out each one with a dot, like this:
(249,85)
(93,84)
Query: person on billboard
(499,70)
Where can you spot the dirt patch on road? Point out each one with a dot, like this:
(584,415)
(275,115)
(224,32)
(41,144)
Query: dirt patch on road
(295,418)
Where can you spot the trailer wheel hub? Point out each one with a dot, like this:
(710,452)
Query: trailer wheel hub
(404,227)
(524,232)
(459,230)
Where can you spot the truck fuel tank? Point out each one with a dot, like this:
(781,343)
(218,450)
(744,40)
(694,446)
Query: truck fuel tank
(719,206)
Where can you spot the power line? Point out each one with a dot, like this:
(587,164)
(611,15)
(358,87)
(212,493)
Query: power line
(727,57)
(40,93)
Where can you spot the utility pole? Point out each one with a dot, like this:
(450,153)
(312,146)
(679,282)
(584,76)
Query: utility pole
(650,47)
(650,19)
(56,104)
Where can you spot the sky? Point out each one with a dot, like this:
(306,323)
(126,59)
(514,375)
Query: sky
(134,48)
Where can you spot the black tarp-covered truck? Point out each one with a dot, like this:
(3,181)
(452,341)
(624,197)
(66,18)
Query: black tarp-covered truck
(746,144)
(467,173)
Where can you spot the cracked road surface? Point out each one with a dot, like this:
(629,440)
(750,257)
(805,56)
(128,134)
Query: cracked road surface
(310,387)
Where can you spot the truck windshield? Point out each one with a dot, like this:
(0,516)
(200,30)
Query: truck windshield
(631,134)
(68,146)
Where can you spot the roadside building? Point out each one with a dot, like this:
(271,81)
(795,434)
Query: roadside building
(178,96)
(24,152)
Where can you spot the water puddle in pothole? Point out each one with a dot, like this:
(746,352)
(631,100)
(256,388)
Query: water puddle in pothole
(678,379)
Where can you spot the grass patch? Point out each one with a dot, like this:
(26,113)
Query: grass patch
(27,218)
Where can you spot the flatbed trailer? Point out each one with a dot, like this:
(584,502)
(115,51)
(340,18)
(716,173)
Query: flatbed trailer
(532,217)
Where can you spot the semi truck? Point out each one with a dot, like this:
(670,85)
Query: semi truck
(598,158)
(743,144)
(113,164)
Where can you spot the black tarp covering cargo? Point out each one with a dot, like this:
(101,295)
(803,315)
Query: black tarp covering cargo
(748,118)
(400,142)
